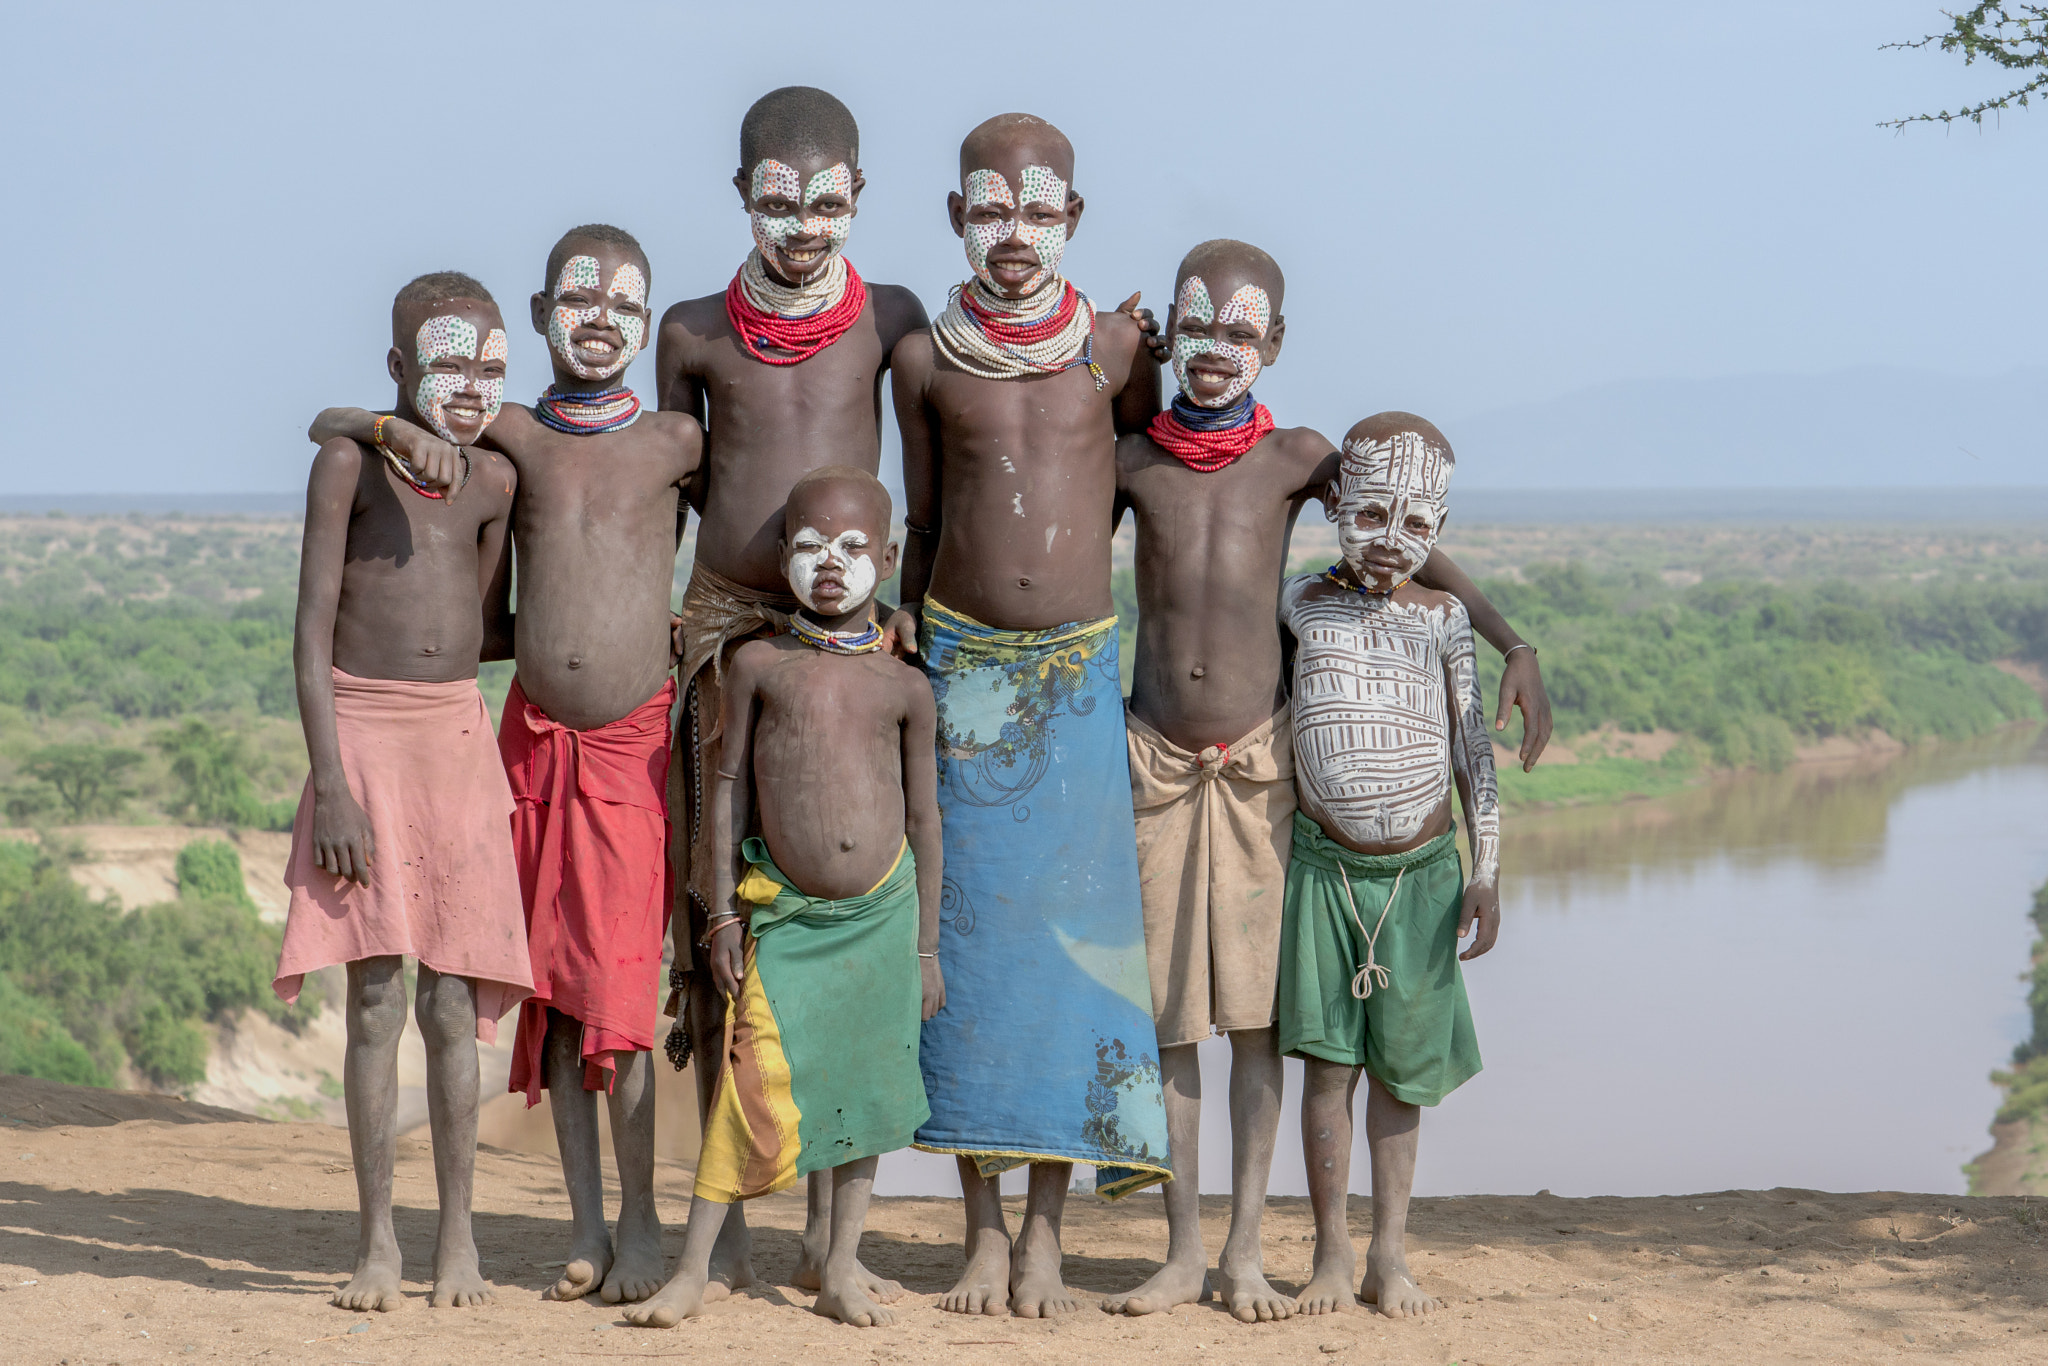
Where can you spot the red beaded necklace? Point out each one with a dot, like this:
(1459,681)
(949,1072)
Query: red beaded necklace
(802,337)
(1207,452)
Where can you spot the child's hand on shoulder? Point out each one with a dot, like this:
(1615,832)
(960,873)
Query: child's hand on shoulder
(1482,908)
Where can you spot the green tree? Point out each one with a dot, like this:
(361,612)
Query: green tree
(86,777)
(34,1042)
(211,869)
(2014,37)
(211,767)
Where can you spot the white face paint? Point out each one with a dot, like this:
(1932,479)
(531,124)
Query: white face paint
(1249,306)
(773,179)
(810,552)
(452,336)
(628,283)
(1041,185)
(1399,477)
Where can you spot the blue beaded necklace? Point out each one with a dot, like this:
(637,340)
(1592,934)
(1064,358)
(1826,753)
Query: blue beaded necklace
(836,642)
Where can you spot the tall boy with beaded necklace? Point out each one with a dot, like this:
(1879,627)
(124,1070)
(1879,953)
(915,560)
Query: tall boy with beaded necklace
(1216,487)
(1009,408)
(784,367)
(824,933)
(586,731)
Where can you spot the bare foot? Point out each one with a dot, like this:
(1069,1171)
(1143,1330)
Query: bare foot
(848,1302)
(809,1276)
(1329,1285)
(1388,1285)
(732,1260)
(374,1286)
(1036,1290)
(1250,1297)
(585,1272)
(636,1269)
(981,1286)
(1173,1284)
(458,1282)
(682,1298)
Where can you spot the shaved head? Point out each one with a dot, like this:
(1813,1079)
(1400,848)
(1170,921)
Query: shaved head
(1026,137)
(433,293)
(873,490)
(1386,426)
(798,121)
(1212,258)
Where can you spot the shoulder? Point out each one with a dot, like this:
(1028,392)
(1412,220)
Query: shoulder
(898,312)
(1442,608)
(754,656)
(1308,456)
(912,353)
(514,423)
(696,317)
(916,687)
(1297,589)
(1118,331)
(681,430)
(495,475)
(339,456)
(1135,451)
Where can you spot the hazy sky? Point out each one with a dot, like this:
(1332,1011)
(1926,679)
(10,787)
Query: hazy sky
(1477,206)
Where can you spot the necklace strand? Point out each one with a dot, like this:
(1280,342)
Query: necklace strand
(1208,439)
(1044,333)
(588,414)
(864,641)
(802,319)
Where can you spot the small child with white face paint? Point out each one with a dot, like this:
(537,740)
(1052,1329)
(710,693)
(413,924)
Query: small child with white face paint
(1387,714)
(824,933)
(401,846)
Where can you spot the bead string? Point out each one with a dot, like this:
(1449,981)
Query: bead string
(412,482)
(588,414)
(802,320)
(861,642)
(1207,439)
(1044,333)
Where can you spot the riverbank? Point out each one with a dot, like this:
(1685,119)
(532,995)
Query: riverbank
(187,1235)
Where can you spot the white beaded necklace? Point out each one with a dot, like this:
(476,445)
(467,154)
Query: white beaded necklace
(822,290)
(961,339)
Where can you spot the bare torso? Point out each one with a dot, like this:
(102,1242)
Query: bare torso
(827,745)
(410,603)
(1211,551)
(594,530)
(1026,484)
(1374,720)
(769,425)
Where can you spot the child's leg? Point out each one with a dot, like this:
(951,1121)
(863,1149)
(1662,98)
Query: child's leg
(575,1112)
(1036,1288)
(1185,1277)
(636,1270)
(369,1074)
(1255,1083)
(844,1294)
(446,1010)
(683,1296)
(817,1245)
(1326,1095)
(983,1284)
(1392,1128)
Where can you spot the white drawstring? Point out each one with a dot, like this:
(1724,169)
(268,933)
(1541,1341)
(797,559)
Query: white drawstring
(1372,973)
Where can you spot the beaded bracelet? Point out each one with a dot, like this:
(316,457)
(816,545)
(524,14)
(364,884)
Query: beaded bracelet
(377,433)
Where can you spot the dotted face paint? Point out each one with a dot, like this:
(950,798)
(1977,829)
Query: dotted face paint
(629,282)
(810,552)
(1040,185)
(1400,477)
(452,337)
(1249,305)
(772,235)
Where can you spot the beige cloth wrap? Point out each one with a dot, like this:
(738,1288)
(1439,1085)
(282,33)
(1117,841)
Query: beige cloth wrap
(1214,831)
(718,616)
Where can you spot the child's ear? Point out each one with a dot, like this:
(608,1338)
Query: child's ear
(741,183)
(1330,501)
(888,565)
(539,306)
(956,212)
(1074,206)
(395,363)
(860,182)
(1270,352)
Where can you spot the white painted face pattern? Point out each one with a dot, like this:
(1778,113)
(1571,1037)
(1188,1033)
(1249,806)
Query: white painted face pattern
(581,272)
(1041,185)
(1248,305)
(451,336)
(772,235)
(811,552)
(1386,708)
(1401,476)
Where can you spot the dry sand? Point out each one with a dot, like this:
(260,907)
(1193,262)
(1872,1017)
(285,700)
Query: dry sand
(142,1229)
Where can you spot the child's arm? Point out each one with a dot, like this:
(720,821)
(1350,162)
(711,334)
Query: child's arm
(1521,680)
(921,828)
(438,464)
(732,802)
(494,573)
(1137,403)
(342,843)
(910,368)
(1472,765)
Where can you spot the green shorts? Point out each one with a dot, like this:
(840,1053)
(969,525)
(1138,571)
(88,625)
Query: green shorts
(1413,1028)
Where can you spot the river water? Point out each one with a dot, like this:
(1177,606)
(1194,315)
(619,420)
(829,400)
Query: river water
(1792,979)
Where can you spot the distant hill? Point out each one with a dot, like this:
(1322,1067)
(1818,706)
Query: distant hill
(1870,427)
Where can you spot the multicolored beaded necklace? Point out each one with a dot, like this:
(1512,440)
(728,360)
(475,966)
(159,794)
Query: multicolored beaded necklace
(404,471)
(1207,439)
(1359,588)
(803,320)
(588,414)
(864,641)
(1044,333)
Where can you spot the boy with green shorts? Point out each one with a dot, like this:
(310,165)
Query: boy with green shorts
(1386,713)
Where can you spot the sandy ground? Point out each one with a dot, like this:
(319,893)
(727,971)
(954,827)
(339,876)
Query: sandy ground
(190,1235)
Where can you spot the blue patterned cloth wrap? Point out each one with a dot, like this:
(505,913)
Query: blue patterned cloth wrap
(1046,1049)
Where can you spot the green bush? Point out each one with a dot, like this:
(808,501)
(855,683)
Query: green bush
(211,767)
(211,868)
(34,1042)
